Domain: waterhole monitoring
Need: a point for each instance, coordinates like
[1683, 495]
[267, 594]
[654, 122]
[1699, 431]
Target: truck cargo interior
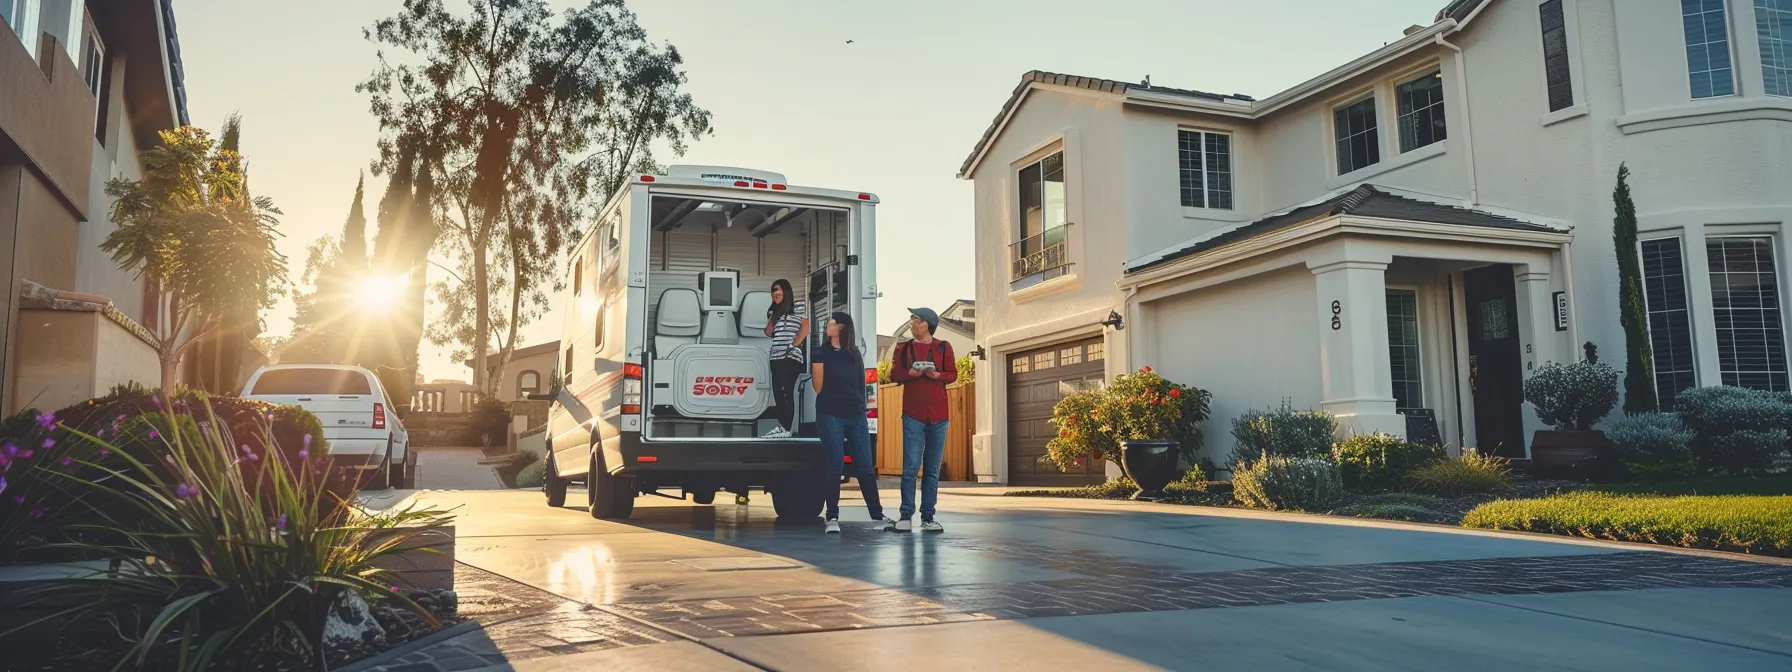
[711, 268]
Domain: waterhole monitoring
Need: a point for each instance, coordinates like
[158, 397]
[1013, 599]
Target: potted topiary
[1572, 399]
[1152, 423]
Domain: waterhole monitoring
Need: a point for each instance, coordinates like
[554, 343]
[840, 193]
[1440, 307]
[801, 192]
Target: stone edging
[410, 647]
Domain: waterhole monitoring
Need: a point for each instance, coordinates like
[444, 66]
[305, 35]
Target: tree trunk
[170, 357]
[481, 320]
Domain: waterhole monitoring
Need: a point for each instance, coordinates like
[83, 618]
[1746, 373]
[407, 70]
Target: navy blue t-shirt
[842, 382]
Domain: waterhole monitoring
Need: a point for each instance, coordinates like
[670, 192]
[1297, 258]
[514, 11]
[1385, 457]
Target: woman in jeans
[838, 375]
[787, 323]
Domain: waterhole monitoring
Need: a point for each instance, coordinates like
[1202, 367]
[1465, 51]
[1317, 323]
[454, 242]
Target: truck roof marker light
[779, 187]
[646, 178]
[646, 458]
[759, 185]
[864, 197]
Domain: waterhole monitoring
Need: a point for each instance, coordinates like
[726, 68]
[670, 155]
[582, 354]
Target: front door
[1495, 369]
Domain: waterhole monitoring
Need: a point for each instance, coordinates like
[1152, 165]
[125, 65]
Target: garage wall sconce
[1114, 321]
[978, 353]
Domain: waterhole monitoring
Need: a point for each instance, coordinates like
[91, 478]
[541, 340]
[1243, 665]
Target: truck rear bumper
[638, 456]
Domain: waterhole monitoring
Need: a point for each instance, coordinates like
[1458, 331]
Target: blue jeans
[923, 444]
[838, 433]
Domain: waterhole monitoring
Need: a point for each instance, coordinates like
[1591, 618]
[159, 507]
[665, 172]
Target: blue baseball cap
[927, 315]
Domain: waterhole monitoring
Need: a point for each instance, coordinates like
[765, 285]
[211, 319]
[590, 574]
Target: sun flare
[379, 292]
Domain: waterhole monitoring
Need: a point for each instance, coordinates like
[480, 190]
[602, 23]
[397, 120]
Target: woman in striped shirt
[787, 323]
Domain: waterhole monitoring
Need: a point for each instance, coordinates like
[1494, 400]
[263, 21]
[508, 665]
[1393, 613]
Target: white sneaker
[777, 433]
[903, 525]
[932, 526]
[887, 524]
[833, 527]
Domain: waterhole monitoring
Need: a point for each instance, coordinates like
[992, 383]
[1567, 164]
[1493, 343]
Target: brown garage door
[1037, 379]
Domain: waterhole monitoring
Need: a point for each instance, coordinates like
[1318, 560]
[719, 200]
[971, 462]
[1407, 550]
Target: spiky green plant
[225, 557]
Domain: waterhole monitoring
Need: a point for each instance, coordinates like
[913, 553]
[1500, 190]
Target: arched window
[528, 382]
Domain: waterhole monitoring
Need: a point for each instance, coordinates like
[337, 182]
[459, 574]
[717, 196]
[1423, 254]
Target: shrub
[1285, 433]
[1572, 397]
[533, 475]
[1288, 484]
[1473, 474]
[1735, 430]
[1652, 439]
[1139, 406]
[223, 555]
[1745, 524]
[1380, 461]
[491, 420]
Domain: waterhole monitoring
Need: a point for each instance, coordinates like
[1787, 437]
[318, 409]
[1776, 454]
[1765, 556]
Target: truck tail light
[379, 415]
[631, 388]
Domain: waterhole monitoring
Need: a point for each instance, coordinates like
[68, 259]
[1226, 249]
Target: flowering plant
[1140, 406]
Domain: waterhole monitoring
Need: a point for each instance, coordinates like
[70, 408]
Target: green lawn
[1745, 523]
[1766, 485]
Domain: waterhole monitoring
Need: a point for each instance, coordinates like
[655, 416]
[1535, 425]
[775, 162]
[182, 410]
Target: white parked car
[359, 423]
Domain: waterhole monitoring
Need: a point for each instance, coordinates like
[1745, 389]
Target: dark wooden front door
[1037, 379]
[1496, 370]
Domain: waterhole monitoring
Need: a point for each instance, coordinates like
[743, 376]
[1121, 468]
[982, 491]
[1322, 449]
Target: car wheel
[609, 496]
[552, 483]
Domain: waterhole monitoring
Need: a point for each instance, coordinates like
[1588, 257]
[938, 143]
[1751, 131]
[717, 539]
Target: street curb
[410, 647]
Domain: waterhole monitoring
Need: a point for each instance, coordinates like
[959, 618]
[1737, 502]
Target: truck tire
[799, 498]
[610, 496]
[551, 482]
[703, 497]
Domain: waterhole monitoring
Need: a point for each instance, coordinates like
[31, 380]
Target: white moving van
[664, 379]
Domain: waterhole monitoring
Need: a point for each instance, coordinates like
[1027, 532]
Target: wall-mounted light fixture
[978, 353]
[1114, 321]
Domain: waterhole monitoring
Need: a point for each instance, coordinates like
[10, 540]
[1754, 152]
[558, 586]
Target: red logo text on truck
[721, 386]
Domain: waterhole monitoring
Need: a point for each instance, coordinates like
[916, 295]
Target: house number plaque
[1337, 319]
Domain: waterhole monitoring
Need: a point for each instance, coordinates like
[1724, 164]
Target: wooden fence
[961, 404]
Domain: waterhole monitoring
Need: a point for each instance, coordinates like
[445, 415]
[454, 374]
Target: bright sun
[379, 292]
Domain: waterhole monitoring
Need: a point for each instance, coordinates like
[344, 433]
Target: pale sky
[895, 113]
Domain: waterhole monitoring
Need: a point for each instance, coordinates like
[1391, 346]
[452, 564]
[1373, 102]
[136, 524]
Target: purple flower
[157, 401]
[39, 512]
[250, 455]
[2, 482]
[46, 421]
[396, 589]
[120, 418]
[49, 443]
[153, 434]
[281, 523]
[104, 452]
[184, 491]
[18, 499]
[27, 453]
[68, 461]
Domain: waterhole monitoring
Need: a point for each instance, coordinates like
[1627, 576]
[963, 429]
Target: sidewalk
[454, 468]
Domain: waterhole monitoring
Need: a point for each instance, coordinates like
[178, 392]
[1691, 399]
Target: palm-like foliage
[226, 558]
[191, 226]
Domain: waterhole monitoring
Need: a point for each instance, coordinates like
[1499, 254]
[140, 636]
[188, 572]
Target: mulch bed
[1450, 510]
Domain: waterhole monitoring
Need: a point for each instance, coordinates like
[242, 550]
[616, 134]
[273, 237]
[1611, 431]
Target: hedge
[1741, 523]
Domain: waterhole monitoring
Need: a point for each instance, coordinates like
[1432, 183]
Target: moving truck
[664, 379]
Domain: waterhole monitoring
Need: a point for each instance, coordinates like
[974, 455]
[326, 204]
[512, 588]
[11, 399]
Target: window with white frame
[98, 80]
[1420, 104]
[1745, 305]
[1359, 145]
[1773, 23]
[1556, 75]
[1205, 160]
[1670, 324]
[1707, 31]
[1403, 348]
[22, 16]
[1039, 251]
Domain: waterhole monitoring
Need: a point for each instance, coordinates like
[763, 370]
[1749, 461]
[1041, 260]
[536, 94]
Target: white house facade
[1399, 240]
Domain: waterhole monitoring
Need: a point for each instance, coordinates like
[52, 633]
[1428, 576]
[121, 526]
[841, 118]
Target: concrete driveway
[1018, 583]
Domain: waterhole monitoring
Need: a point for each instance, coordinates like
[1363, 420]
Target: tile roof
[1364, 201]
[1090, 83]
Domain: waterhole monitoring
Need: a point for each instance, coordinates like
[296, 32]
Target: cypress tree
[1639, 360]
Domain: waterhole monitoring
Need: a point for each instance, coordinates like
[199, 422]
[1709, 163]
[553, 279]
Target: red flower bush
[1136, 407]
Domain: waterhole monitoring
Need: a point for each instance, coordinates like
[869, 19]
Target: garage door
[1037, 379]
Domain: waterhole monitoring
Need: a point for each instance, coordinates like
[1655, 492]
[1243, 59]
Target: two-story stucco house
[1401, 239]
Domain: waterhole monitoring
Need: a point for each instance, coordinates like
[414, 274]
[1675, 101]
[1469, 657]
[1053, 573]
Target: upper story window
[527, 383]
[1206, 165]
[578, 275]
[1420, 103]
[1773, 22]
[1556, 74]
[98, 79]
[1039, 253]
[1359, 145]
[1707, 48]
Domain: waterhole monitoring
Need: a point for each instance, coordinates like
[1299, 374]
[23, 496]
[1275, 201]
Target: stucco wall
[1222, 339]
[543, 364]
[122, 357]
[96, 273]
[48, 113]
[1155, 218]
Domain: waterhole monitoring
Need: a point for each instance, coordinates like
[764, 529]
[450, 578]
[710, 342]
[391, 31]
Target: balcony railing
[1040, 257]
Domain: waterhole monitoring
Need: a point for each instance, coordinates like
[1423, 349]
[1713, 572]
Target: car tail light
[631, 388]
[379, 415]
[778, 187]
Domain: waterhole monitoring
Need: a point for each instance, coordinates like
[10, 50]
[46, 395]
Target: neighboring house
[445, 396]
[530, 371]
[958, 326]
[82, 91]
[1403, 237]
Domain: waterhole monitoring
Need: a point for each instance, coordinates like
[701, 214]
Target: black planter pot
[1150, 464]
